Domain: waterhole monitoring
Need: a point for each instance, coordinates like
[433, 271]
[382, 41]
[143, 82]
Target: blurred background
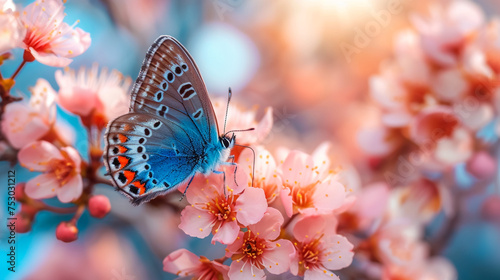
[309, 59]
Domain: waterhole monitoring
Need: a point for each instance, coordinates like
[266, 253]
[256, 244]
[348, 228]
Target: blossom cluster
[278, 210]
[34, 136]
[438, 91]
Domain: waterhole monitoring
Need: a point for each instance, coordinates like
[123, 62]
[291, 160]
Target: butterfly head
[228, 141]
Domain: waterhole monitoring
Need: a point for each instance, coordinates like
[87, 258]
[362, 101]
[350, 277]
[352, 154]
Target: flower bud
[23, 223]
[481, 165]
[20, 195]
[490, 209]
[66, 232]
[99, 206]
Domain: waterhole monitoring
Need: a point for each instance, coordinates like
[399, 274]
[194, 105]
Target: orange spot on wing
[130, 175]
[140, 186]
[123, 162]
[122, 149]
[122, 138]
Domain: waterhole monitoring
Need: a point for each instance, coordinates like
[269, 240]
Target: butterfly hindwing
[147, 155]
[170, 86]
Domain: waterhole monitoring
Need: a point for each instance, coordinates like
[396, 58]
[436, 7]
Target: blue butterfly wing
[161, 142]
[170, 86]
[147, 156]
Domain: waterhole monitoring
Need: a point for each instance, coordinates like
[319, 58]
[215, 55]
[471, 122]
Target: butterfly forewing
[170, 86]
[171, 131]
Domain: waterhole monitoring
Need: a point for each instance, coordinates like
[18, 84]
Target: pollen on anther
[278, 245]
[201, 229]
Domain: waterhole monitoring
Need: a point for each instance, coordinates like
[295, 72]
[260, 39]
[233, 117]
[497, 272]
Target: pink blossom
[266, 173]
[88, 92]
[212, 210]
[11, 32]
[482, 165]
[396, 242]
[439, 131]
[436, 268]
[26, 122]
[310, 186]
[184, 263]
[420, 201]
[60, 167]
[319, 248]
[257, 249]
[378, 140]
[369, 207]
[239, 118]
[447, 29]
[48, 39]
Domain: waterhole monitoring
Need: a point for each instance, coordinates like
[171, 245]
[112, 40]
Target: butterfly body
[170, 132]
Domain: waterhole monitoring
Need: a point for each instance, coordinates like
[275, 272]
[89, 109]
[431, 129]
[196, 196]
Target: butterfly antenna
[229, 95]
[253, 168]
[239, 130]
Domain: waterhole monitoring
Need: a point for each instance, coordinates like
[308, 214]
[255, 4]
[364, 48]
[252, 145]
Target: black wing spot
[147, 132]
[164, 85]
[142, 140]
[184, 66]
[133, 189]
[167, 185]
[170, 77]
[116, 150]
[155, 181]
[146, 167]
[150, 174]
[161, 113]
[157, 124]
[122, 178]
[177, 70]
[115, 138]
[197, 114]
[144, 156]
[116, 163]
[159, 96]
[140, 149]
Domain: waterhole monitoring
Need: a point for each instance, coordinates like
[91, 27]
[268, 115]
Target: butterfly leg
[231, 157]
[223, 174]
[184, 193]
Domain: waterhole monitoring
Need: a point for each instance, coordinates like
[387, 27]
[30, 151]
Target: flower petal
[277, 260]
[251, 206]
[227, 233]
[71, 190]
[50, 59]
[317, 274]
[180, 261]
[21, 125]
[328, 196]
[270, 224]
[42, 186]
[339, 252]
[244, 270]
[35, 156]
[195, 222]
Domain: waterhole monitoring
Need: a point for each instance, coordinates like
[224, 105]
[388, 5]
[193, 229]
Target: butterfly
[170, 133]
